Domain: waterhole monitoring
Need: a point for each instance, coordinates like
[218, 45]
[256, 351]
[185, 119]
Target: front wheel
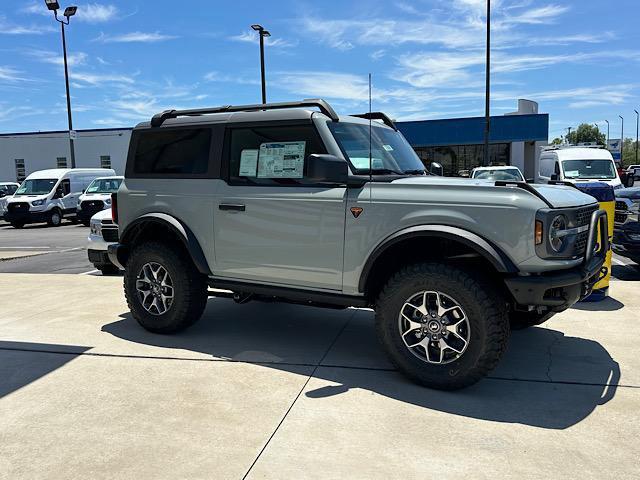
[164, 290]
[55, 218]
[442, 326]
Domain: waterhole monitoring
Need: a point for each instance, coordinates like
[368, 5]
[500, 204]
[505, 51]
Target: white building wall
[41, 150]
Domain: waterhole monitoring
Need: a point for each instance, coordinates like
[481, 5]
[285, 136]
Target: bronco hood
[560, 196]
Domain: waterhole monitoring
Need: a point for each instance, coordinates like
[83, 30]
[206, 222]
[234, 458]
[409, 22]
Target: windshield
[104, 185]
[503, 174]
[40, 186]
[390, 151]
[589, 169]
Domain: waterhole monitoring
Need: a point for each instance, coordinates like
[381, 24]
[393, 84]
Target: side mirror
[59, 193]
[325, 168]
[531, 180]
[554, 176]
[436, 169]
[631, 180]
[2, 194]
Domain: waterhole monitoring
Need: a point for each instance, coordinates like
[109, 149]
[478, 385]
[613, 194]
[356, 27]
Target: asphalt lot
[282, 391]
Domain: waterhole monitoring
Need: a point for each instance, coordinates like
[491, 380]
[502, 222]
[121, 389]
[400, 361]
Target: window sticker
[362, 163]
[572, 174]
[281, 160]
[248, 163]
[388, 148]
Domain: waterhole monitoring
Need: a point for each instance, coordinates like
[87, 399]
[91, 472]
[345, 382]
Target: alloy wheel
[434, 327]
[155, 288]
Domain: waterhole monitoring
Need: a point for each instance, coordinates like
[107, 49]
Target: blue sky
[130, 59]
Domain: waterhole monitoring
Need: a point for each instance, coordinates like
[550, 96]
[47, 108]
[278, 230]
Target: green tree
[557, 141]
[586, 133]
[629, 153]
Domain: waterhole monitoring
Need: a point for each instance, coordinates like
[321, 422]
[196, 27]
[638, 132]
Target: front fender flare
[182, 231]
[481, 246]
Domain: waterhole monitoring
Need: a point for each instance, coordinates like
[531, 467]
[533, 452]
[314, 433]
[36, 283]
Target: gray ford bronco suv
[278, 202]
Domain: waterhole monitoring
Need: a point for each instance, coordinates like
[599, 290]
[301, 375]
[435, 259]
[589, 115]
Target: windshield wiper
[385, 171]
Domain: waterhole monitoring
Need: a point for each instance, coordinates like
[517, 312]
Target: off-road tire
[483, 304]
[190, 288]
[522, 320]
[53, 215]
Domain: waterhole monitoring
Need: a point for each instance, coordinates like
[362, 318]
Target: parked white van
[97, 197]
[578, 164]
[50, 195]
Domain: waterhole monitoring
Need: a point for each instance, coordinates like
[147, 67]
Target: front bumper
[626, 240]
[118, 254]
[98, 257]
[26, 217]
[561, 289]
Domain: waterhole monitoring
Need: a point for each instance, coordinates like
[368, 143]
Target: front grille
[110, 234]
[583, 217]
[620, 217]
[18, 207]
[92, 205]
[620, 205]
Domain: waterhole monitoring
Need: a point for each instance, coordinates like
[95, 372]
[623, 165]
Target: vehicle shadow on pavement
[546, 379]
[626, 273]
[607, 304]
[22, 363]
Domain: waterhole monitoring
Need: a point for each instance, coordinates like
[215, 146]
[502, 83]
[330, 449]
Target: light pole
[487, 112]
[637, 131]
[262, 33]
[68, 13]
[607, 133]
[621, 140]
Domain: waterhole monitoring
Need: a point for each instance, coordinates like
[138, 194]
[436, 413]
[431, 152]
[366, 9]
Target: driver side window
[65, 187]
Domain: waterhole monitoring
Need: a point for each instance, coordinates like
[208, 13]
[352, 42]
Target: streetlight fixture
[637, 131]
[263, 33]
[607, 133]
[69, 12]
[621, 139]
[487, 112]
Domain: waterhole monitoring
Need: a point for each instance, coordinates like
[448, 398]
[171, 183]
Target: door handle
[236, 207]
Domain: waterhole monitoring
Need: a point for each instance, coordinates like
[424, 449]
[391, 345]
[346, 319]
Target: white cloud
[10, 74]
[96, 12]
[98, 79]
[540, 15]
[216, 76]
[87, 12]
[377, 54]
[252, 37]
[55, 58]
[12, 28]
[138, 37]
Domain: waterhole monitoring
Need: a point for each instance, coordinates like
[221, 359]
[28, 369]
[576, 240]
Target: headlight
[37, 203]
[558, 232]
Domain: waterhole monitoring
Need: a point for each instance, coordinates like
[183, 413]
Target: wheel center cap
[434, 326]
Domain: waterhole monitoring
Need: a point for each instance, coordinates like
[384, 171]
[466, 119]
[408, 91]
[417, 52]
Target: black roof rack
[377, 116]
[324, 107]
[524, 186]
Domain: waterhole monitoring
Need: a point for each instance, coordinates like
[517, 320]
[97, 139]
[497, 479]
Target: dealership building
[457, 144]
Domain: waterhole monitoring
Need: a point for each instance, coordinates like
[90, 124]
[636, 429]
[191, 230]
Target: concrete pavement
[282, 391]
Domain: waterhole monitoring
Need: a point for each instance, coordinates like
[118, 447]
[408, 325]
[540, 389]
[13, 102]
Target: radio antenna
[370, 156]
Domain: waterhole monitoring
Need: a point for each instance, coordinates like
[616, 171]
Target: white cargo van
[6, 190]
[50, 195]
[578, 164]
[97, 197]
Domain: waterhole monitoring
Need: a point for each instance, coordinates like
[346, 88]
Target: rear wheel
[441, 325]
[164, 290]
[55, 218]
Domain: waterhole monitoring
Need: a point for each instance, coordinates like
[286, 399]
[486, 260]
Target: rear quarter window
[179, 152]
